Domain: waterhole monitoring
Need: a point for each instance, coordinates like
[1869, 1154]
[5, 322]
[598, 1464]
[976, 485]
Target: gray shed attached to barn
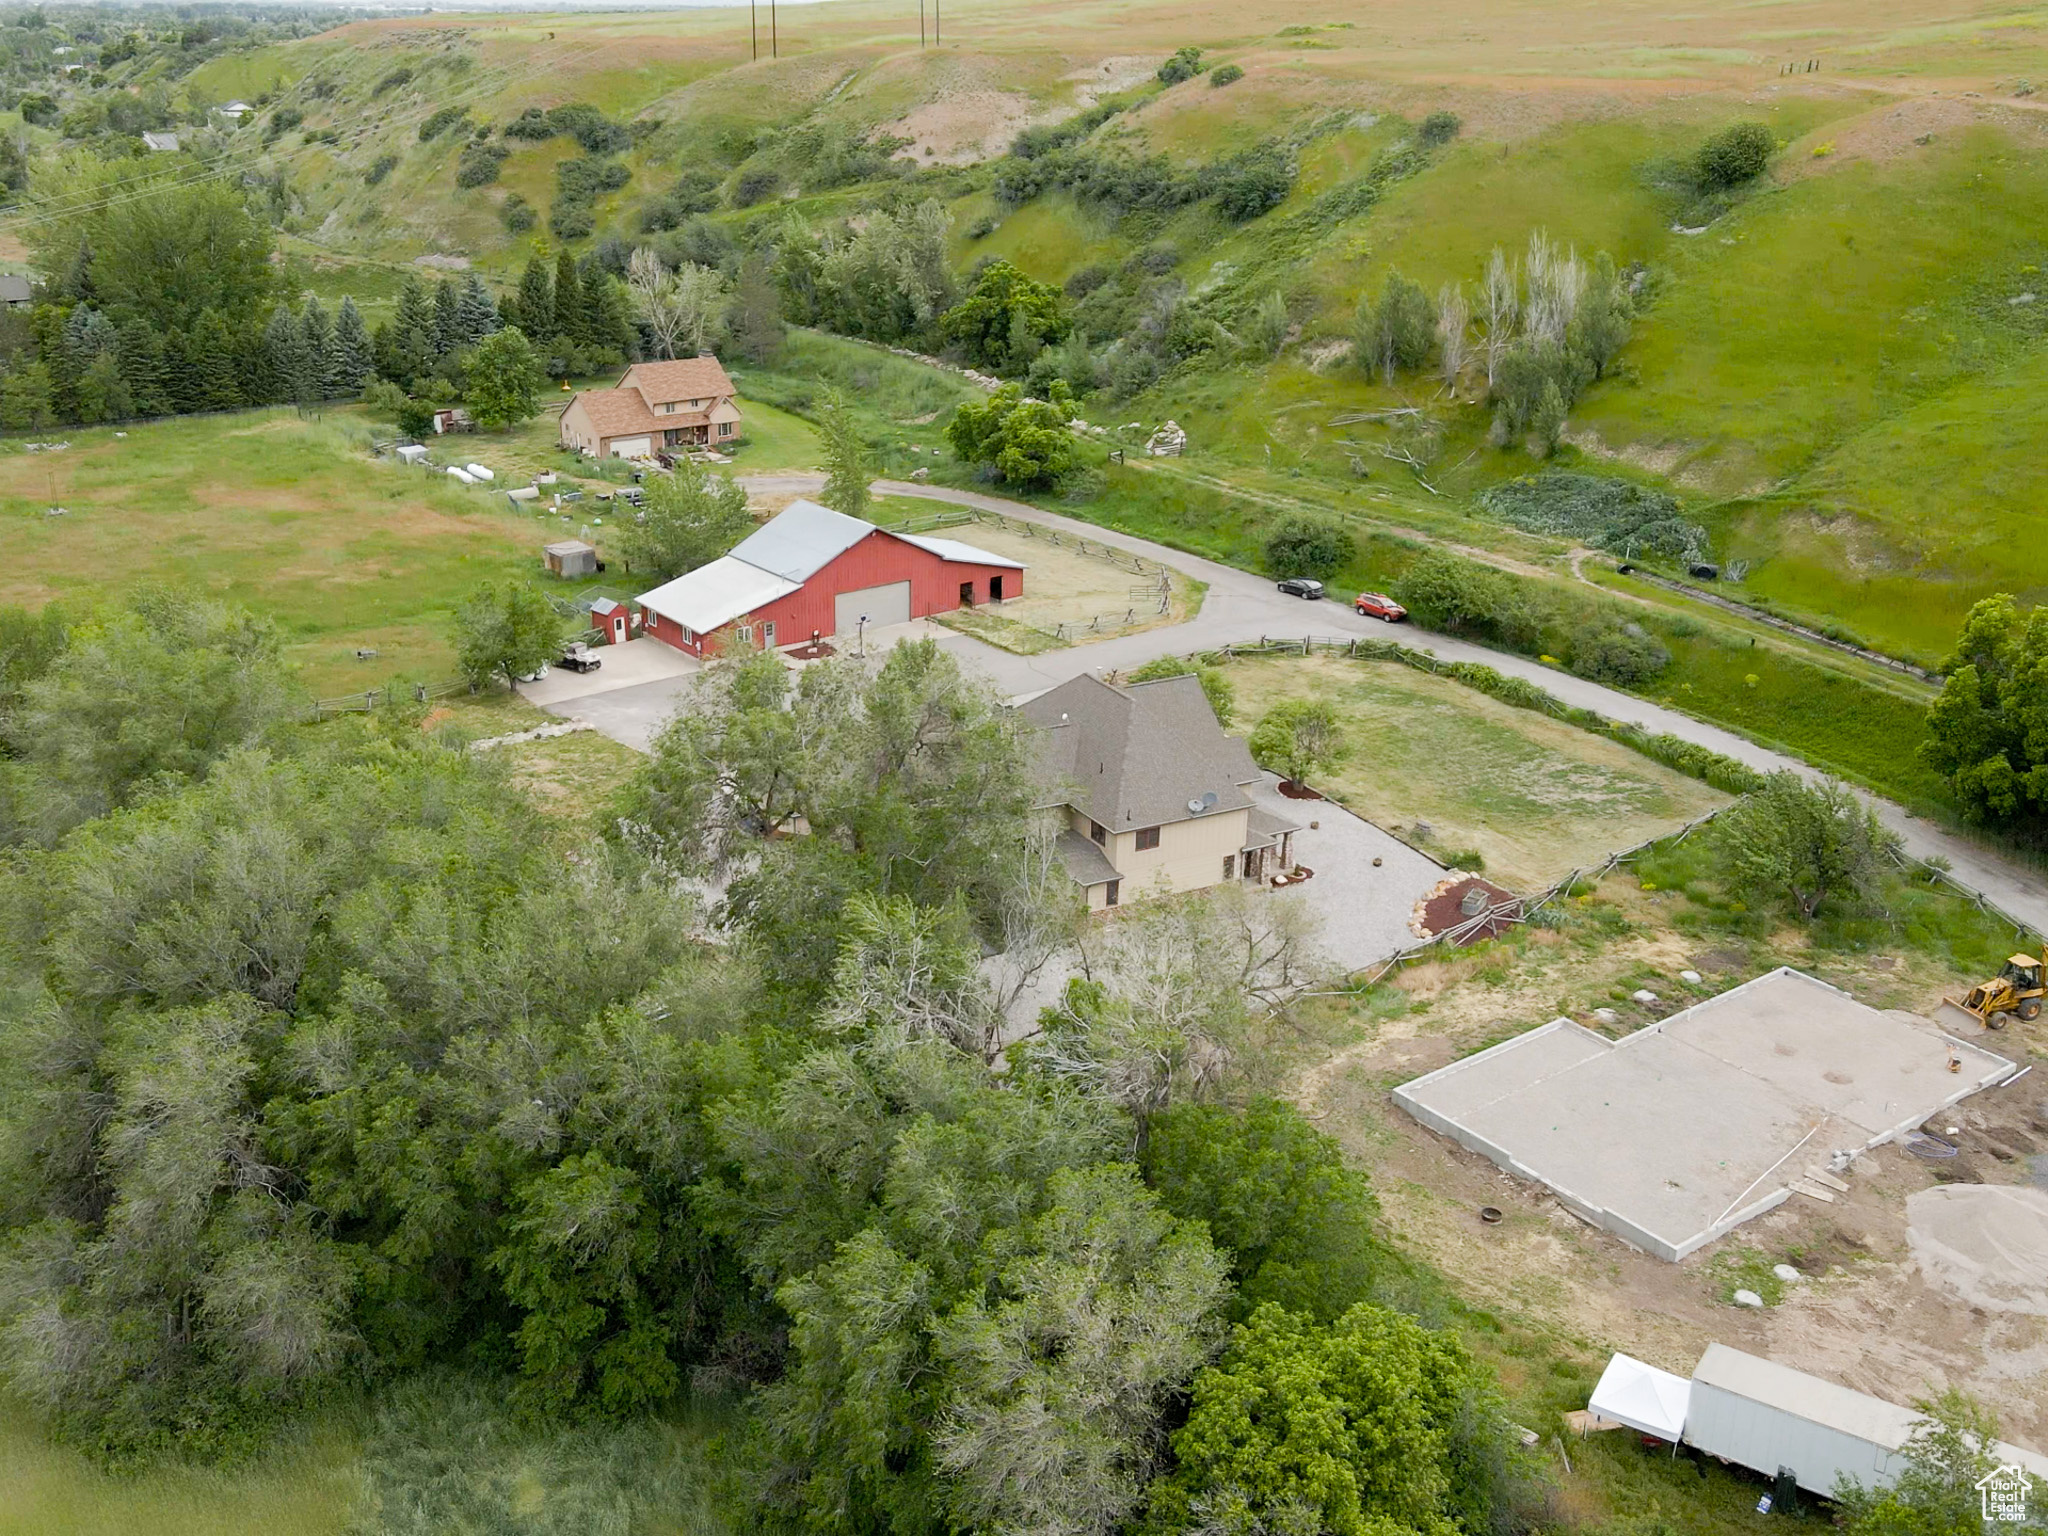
[571, 557]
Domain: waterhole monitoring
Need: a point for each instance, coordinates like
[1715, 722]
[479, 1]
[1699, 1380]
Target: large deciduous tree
[1349, 1429]
[690, 518]
[505, 633]
[504, 380]
[1807, 846]
[1299, 737]
[1026, 442]
[1006, 320]
[1988, 732]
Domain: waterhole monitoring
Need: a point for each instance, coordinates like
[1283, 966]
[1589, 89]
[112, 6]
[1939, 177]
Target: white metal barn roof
[716, 594]
[801, 540]
[953, 549]
[1642, 1397]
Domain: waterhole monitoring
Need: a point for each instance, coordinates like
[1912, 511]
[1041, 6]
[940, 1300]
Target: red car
[1377, 605]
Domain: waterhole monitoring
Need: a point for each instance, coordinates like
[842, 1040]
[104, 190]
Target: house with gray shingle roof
[1150, 790]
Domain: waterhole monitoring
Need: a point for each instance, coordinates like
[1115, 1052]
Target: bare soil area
[1866, 1314]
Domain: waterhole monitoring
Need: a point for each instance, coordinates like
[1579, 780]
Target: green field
[1535, 797]
[296, 521]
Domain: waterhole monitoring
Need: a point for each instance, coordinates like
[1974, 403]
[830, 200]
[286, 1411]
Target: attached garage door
[632, 447]
[882, 605]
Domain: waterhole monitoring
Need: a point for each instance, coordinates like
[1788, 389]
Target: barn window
[1148, 837]
[1095, 831]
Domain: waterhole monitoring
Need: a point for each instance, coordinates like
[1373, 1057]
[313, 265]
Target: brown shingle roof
[619, 412]
[685, 378]
[1135, 756]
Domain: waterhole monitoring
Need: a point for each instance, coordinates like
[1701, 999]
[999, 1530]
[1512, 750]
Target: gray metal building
[1762, 1415]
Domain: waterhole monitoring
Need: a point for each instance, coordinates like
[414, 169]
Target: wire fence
[1520, 908]
[368, 700]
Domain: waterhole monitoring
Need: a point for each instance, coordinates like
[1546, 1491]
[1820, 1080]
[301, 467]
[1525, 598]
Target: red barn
[810, 569]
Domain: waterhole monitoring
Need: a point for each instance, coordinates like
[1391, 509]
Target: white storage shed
[1764, 1416]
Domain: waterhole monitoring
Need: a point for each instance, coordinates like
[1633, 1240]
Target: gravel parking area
[1364, 910]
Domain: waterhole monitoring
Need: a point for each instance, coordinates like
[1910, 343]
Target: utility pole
[935, 24]
[754, 28]
[774, 40]
[920, 23]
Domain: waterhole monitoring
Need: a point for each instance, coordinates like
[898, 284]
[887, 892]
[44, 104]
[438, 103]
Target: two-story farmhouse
[810, 570]
[687, 403]
[1150, 790]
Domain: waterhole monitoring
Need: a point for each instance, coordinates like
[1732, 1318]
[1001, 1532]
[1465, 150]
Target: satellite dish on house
[1206, 803]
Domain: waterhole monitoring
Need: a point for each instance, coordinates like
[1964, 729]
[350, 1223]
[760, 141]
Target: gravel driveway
[1364, 911]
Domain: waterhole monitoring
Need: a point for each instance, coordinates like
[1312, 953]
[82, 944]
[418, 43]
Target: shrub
[441, 121]
[1603, 510]
[1026, 442]
[1229, 74]
[517, 214]
[1302, 544]
[756, 184]
[1086, 280]
[1621, 654]
[282, 121]
[382, 167]
[1156, 260]
[1185, 64]
[392, 81]
[533, 123]
[478, 164]
[1254, 183]
[1439, 128]
[1737, 154]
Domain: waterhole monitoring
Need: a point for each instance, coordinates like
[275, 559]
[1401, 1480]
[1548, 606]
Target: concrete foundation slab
[1678, 1133]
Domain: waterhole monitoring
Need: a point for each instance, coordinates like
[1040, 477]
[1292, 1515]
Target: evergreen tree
[476, 314]
[102, 393]
[87, 334]
[181, 380]
[448, 339]
[354, 357]
[141, 352]
[281, 364]
[413, 349]
[570, 320]
[246, 341]
[611, 311]
[316, 379]
[536, 300]
[210, 353]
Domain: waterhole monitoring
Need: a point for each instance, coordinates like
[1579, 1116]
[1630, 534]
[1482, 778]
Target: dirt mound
[1986, 1242]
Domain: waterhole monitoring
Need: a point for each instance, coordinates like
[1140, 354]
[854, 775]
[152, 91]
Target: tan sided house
[1150, 790]
[657, 407]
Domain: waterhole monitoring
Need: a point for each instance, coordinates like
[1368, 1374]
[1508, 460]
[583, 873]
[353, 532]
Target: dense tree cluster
[322, 1067]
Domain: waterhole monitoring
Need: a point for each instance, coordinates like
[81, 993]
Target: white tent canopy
[1642, 1397]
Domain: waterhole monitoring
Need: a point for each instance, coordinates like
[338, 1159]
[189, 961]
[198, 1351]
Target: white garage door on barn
[881, 605]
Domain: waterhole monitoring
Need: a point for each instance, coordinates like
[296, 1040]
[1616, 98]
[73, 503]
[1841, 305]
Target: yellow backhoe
[2016, 989]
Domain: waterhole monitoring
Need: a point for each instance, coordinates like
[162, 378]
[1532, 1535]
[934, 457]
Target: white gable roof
[953, 549]
[716, 594]
[1642, 1397]
[801, 540]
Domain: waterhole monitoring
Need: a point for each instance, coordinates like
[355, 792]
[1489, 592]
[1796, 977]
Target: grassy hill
[1835, 376]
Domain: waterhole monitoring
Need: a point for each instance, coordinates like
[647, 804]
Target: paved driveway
[1242, 607]
[623, 666]
[1363, 910]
